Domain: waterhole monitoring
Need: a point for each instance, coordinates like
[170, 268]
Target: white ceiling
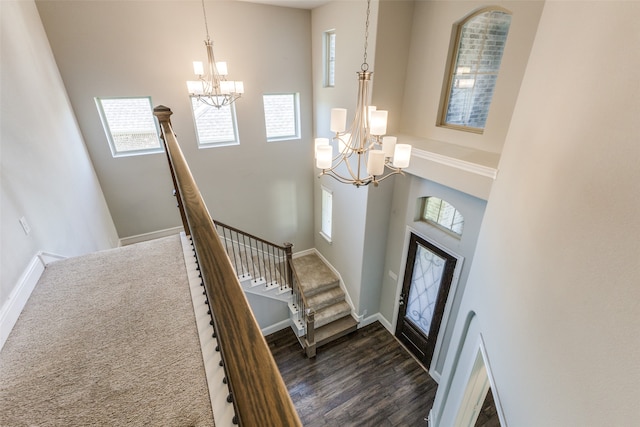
[300, 4]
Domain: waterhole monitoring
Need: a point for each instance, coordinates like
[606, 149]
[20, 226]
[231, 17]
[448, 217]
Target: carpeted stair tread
[336, 329]
[330, 313]
[325, 298]
[315, 276]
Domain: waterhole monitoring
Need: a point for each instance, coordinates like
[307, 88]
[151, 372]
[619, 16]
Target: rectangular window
[215, 127]
[282, 116]
[329, 58]
[327, 213]
[129, 125]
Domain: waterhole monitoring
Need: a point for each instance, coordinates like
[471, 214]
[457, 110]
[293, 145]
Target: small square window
[282, 116]
[215, 127]
[129, 125]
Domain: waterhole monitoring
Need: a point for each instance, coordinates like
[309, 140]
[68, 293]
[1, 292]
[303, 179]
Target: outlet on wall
[25, 225]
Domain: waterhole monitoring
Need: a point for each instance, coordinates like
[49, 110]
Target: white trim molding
[150, 236]
[464, 165]
[13, 306]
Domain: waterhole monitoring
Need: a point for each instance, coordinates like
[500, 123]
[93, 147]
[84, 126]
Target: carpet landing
[107, 339]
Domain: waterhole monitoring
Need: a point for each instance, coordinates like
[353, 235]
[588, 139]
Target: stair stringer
[264, 289]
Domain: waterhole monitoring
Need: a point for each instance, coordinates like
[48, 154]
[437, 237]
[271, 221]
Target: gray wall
[411, 44]
[432, 31]
[404, 220]
[350, 204]
[142, 48]
[418, 34]
[46, 174]
[554, 283]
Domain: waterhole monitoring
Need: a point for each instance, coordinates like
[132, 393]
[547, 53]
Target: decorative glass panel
[425, 284]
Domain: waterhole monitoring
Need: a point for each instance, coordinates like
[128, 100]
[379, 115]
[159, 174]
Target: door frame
[470, 395]
[446, 315]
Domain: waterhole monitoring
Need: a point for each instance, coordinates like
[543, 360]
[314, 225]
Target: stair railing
[270, 265]
[305, 315]
[265, 263]
[256, 388]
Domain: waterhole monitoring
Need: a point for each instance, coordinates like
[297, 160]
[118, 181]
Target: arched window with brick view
[478, 47]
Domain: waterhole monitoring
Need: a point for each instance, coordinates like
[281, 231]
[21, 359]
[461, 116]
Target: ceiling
[300, 4]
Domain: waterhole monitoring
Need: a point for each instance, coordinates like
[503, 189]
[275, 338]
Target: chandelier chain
[206, 25]
[365, 65]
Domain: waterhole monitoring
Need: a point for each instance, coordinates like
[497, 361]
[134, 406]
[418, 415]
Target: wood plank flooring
[364, 379]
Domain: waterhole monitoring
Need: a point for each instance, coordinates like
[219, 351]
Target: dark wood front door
[427, 280]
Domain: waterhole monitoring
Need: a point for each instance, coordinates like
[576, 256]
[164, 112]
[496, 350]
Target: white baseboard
[48, 258]
[377, 317]
[283, 324]
[150, 236]
[12, 308]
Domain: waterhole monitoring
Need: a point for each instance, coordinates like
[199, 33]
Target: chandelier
[365, 155]
[213, 88]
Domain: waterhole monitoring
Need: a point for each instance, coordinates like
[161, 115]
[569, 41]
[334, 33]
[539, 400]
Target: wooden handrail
[259, 394]
[283, 246]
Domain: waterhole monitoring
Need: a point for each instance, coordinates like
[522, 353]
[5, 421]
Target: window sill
[325, 237]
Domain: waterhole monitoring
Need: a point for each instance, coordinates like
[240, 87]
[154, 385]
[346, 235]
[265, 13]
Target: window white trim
[326, 213]
[146, 126]
[472, 73]
[442, 214]
[329, 58]
[273, 118]
[230, 129]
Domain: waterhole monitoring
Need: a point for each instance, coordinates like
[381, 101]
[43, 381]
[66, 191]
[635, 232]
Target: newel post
[311, 333]
[289, 268]
[163, 115]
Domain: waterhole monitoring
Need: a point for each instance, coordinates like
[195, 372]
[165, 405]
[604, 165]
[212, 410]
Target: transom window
[329, 58]
[480, 41]
[215, 127]
[439, 212]
[129, 125]
[281, 116]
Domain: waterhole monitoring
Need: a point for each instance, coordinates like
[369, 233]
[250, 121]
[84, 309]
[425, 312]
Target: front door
[427, 279]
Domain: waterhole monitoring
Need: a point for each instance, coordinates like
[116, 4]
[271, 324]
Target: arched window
[441, 213]
[472, 74]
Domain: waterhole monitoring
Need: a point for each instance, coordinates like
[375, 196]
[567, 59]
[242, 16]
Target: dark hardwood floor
[364, 379]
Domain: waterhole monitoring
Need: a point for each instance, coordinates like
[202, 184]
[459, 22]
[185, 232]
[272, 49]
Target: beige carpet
[107, 339]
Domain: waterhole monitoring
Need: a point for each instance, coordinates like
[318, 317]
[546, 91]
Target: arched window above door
[441, 213]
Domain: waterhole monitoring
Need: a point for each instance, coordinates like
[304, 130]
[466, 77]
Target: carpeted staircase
[260, 269]
[324, 295]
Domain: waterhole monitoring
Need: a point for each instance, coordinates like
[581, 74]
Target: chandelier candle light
[213, 88]
[363, 149]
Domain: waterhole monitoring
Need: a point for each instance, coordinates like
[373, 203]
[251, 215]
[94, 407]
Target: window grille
[441, 213]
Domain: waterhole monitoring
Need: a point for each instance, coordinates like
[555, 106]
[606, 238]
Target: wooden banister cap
[162, 113]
